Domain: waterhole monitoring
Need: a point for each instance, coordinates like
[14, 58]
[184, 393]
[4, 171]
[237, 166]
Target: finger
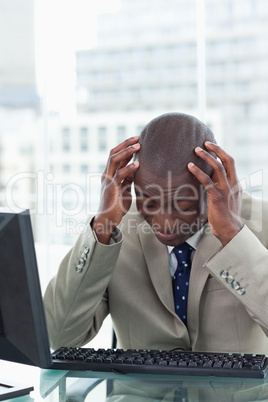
[219, 173]
[227, 160]
[125, 162]
[121, 158]
[207, 157]
[202, 177]
[127, 182]
[123, 145]
[126, 173]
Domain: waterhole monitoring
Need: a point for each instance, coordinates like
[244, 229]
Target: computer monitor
[23, 331]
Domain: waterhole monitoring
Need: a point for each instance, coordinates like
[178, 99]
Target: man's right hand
[116, 189]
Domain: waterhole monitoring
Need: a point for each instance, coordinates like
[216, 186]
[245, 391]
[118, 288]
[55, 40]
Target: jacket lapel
[207, 247]
[156, 256]
[157, 260]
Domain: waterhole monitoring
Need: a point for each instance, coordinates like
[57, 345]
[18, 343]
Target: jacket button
[86, 249]
[224, 274]
[235, 285]
[79, 269]
[241, 291]
[81, 262]
[229, 279]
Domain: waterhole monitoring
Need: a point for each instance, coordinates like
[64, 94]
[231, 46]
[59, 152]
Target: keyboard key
[109, 360]
[149, 361]
[129, 360]
[228, 365]
[238, 365]
[139, 360]
[192, 364]
[208, 364]
[163, 363]
[120, 360]
[90, 359]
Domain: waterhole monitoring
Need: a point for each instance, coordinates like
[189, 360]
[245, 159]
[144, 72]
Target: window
[84, 139]
[139, 129]
[66, 139]
[101, 168]
[121, 134]
[83, 97]
[102, 139]
[84, 168]
[66, 168]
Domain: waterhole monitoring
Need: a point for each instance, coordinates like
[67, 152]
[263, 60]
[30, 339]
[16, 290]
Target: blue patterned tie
[181, 279]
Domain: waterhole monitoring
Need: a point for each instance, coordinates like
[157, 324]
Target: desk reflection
[82, 386]
[191, 390]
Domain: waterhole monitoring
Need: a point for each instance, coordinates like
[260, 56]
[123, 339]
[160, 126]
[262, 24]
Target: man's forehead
[181, 192]
[181, 186]
[146, 177]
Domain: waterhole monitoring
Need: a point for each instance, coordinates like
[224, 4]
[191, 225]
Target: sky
[62, 27]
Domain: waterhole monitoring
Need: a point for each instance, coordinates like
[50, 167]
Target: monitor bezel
[21, 302]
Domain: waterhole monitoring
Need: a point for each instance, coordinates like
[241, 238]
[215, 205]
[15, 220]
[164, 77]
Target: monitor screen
[23, 331]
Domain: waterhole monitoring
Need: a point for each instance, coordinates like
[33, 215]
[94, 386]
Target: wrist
[229, 234]
[103, 229]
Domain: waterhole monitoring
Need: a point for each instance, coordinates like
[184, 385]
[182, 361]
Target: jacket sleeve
[76, 301]
[242, 267]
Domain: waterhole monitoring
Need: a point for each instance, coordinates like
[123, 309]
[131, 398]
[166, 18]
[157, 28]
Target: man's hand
[116, 189]
[223, 191]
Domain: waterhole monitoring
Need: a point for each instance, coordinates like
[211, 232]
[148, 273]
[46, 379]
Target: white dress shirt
[193, 241]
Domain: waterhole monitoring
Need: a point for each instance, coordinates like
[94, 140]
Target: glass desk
[54, 385]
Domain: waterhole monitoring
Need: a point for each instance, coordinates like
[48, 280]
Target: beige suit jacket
[228, 290]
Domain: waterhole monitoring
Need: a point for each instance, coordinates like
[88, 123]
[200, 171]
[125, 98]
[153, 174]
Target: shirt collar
[193, 241]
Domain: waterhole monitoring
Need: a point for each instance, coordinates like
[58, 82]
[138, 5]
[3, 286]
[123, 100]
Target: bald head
[168, 143]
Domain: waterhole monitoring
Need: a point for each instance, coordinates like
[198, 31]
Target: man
[187, 192]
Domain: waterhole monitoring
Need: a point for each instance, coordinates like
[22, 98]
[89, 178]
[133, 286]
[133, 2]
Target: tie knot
[183, 254]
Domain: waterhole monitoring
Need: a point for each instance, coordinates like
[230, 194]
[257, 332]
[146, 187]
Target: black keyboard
[161, 362]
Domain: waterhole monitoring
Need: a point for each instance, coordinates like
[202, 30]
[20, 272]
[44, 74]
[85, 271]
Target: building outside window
[121, 134]
[102, 139]
[66, 139]
[83, 139]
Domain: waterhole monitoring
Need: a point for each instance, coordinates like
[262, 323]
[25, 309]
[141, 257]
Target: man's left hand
[223, 191]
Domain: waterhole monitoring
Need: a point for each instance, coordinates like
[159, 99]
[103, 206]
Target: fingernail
[198, 149]
[136, 145]
[190, 164]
